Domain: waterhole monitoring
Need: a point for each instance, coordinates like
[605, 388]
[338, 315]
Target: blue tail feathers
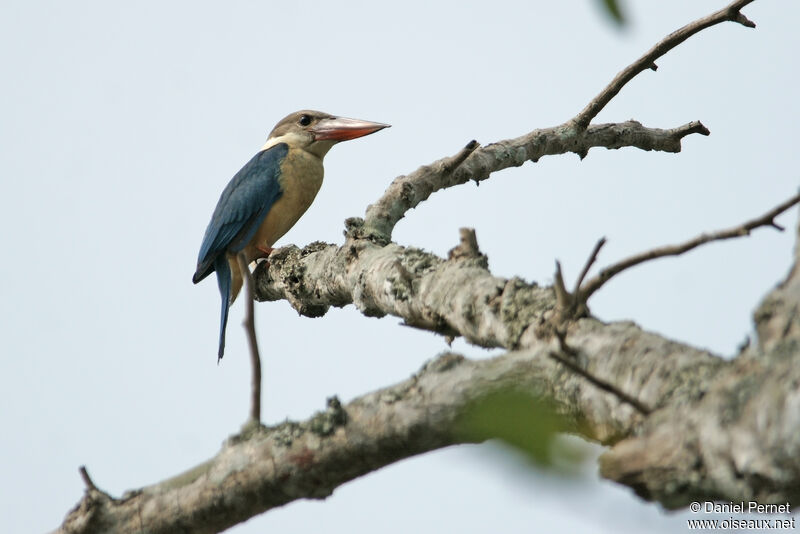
[224, 281]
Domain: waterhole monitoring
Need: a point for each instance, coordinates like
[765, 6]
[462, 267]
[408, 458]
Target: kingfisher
[268, 196]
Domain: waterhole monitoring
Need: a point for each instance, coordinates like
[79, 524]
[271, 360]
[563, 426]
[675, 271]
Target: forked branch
[475, 163]
[648, 61]
[768, 219]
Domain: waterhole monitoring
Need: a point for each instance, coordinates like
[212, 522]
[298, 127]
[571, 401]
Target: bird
[268, 196]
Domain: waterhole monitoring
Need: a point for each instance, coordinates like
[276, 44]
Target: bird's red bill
[343, 129]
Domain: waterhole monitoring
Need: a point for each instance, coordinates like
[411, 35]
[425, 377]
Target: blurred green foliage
[526, 424]
[613, 10]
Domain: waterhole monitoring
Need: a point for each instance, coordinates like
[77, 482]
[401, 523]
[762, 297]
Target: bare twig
[768, 219]
[647, 61]
[467, 247]
[249, 325]
[571, 360]
[602, 384]
[569, 306]
[87, 480]
[91, 488]
[563, 297]
[589, 262]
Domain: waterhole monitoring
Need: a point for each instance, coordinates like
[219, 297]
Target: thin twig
[589, 262]
[647, 61]
[768, 219]
[408, 191]
[250, 327]
[602, 384]
[87, 480]
[563, 297]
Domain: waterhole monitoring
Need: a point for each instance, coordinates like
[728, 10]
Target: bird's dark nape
[224, 281]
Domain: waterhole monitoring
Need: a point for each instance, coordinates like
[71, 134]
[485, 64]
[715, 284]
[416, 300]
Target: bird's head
[317, 132]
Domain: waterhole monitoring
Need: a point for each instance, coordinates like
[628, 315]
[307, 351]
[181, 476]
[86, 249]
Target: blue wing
[242, 207]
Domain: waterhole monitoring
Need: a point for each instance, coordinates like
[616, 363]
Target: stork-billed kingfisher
[268, 195]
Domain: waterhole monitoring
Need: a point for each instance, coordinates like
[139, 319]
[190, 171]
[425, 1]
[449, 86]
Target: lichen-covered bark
[268, 467]
[452, 297]
[724, 429]
[740, 439]
[459, 296]
[778, 317]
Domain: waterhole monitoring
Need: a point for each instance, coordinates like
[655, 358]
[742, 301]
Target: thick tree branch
[458, 296]
[777, 318]
[271, 467]
[455, 296]
[739, 440]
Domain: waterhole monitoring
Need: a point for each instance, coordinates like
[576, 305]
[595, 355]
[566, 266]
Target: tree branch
[735, 440]
[730, 13]
[276, 465]
[576, 135]
[602, 384]
[452, 297]
[455, 296]
[689, 424]
[588, 265]
[408, 191]
[768, 219]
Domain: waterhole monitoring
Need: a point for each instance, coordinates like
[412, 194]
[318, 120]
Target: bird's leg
[266, 251]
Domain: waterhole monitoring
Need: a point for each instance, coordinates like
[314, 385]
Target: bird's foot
[265, 251]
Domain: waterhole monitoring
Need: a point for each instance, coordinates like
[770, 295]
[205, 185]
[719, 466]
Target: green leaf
[523, 422]
[611, 8]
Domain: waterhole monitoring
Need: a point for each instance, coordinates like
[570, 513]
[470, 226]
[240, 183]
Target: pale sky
[122, 123]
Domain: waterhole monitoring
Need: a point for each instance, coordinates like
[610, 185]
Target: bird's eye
[305, 120]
